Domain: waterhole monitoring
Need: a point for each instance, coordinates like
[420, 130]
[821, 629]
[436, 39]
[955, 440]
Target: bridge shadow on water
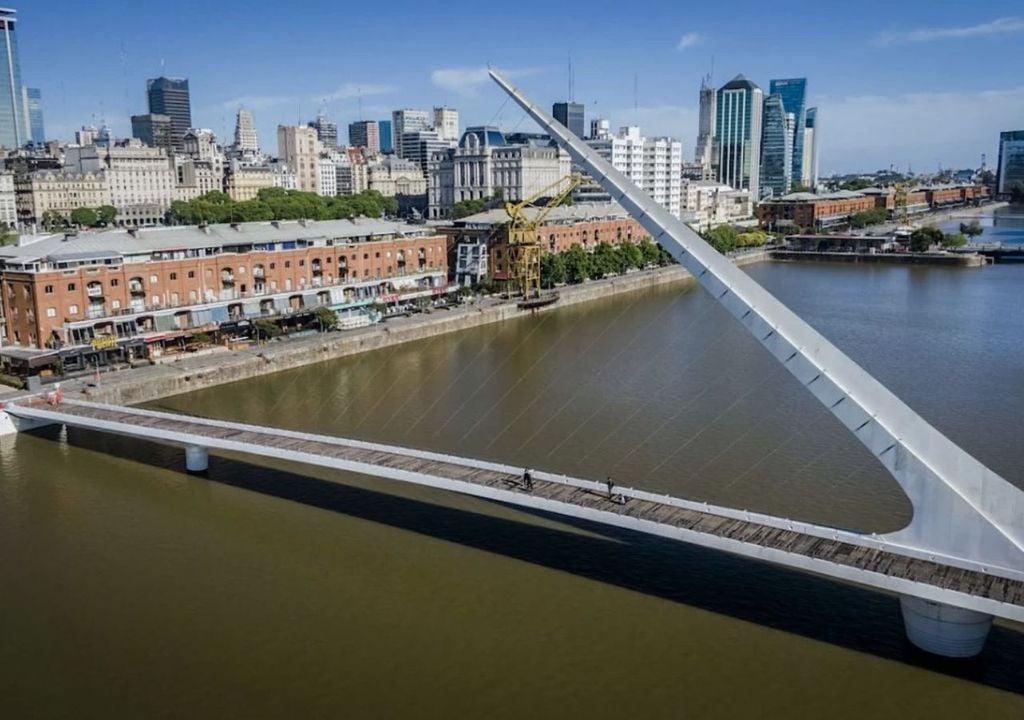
[844, 615]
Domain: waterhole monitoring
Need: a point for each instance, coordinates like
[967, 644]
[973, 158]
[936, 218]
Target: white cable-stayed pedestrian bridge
[958, 563]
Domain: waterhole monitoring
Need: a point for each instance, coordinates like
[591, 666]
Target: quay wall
[151, 383]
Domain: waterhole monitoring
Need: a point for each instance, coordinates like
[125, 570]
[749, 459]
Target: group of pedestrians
[620, 498]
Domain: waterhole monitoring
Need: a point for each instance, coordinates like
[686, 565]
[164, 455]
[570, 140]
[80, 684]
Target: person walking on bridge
[528, 479]
[611, 486]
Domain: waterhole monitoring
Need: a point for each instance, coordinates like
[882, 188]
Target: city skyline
[861, 69]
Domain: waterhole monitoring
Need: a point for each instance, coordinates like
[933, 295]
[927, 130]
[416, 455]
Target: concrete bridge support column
[197, 459]
[944, 629]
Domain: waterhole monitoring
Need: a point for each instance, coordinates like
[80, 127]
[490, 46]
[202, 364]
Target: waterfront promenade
[147, 383]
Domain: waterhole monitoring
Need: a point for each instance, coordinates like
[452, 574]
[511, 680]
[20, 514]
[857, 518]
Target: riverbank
[936, 217]
[147, 383]
[964, 260]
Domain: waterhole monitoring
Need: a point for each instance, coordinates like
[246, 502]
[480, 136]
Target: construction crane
[899, 213]
[524, 247]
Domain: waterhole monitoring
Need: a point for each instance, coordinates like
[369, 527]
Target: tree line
[280, 204]
[575, 265]
[101, 216]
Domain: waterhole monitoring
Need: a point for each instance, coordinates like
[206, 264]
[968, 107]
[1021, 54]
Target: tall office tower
[738, 110]
[704, 155]
[570, 114]
[299, 149]
[420, 146]
[326, 132]
[365, 134]
[1010, 170]
[154, 130]
[794, 97]
[12, 115]
[387, 144]
[86, 136]
[407, 121]
[32, 101]
[600, 129]
[170, 96]
[776, 148]
[104, 137]
[446, 123]
[809, 166]
[246, 140]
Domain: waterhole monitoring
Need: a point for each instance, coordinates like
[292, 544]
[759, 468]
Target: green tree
[326, 317]
[552, 269]
[987, 177]
[266, 329]
[799, 188]
[7, 236]
[875, 216]
[84, 217]
[577, 264]
[924, 238]
[753, 238]
[630, 256]
[651, 252]
[106, 214]
[53, 220]
[465, 208]
[723, 238]
[954, 240]
[971, 229]
[856, 184]
[603, 261]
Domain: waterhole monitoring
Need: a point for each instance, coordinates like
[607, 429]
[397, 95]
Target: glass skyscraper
[32, 100]
[571, 115]
[386, 144]
[170, 96]
[12, 114]
[776, 148]
[738, 135]
[794, 97]
[809, 169]
[1010, 171]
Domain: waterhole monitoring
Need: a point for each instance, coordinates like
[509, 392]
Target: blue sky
[916, 81]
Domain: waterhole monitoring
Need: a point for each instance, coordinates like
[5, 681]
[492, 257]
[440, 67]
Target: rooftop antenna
[571, 83]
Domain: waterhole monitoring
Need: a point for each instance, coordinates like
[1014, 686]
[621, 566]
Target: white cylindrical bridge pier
[197, 459]
[943, 629]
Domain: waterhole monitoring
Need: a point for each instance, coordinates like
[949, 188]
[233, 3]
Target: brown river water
[130, 589]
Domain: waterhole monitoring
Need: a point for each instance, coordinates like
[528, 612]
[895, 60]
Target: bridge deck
[1007, 595]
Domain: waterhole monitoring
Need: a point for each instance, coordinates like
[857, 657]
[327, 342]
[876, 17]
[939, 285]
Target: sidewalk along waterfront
[153, 382]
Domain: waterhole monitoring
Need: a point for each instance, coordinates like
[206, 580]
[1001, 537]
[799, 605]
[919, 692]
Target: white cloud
[869, 132]
[1000, 26]
[353, 90]
[347, 91]
[688, 40]
[467, 81]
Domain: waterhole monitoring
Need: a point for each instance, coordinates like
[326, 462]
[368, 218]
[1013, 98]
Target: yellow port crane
[899, 213]
[524, 247]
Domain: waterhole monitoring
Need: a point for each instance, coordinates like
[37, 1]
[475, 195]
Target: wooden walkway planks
[835, 551]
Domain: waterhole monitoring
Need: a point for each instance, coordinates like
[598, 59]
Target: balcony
[94, 290]
[227, 278]
[135, 287]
